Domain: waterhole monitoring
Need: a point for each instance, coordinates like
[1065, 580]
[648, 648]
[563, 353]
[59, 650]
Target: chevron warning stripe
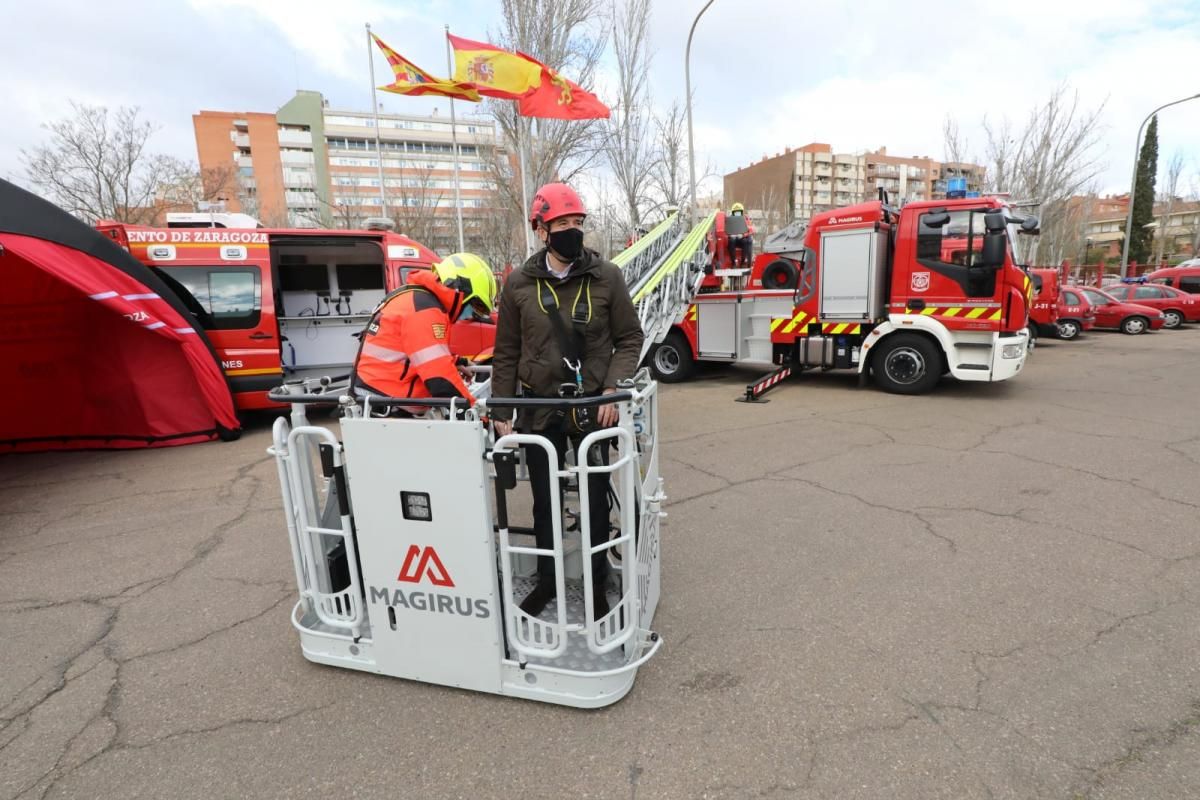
[841, 327]
[951, 312]
[692, 312]
[791, 324]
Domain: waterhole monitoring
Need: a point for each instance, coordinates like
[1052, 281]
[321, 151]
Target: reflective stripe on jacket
[405, 349]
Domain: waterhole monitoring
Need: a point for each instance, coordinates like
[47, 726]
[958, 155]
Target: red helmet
[552, 201]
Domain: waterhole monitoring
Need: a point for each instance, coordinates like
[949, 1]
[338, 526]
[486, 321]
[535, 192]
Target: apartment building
[308, 165]
[803, 181]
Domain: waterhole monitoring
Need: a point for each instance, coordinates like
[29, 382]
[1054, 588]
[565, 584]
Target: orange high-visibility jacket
[405, 349]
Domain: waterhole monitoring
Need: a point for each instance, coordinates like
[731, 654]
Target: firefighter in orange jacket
[405, 349]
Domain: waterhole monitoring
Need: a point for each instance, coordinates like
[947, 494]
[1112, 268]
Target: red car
[1075, 313]
[1125, 317]
[1177, 307]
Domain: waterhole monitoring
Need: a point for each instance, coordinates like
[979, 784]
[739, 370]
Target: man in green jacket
[567, 327]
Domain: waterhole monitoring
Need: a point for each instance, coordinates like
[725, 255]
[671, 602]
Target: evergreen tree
[1141, 237]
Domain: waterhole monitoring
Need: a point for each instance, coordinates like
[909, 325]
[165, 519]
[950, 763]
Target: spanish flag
[559, 98]
[411, 79]
[492, 71]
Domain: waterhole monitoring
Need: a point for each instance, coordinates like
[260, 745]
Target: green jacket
[527, 351]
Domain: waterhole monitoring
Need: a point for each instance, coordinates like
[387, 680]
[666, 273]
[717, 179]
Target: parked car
[1177, 307]
[1075, 313]
[1125, 317]
[1185, 277]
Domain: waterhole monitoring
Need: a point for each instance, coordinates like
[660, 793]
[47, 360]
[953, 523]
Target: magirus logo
[421, 563]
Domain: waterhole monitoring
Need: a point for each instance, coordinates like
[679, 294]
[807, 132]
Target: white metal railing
[293, 448]
[637, 489]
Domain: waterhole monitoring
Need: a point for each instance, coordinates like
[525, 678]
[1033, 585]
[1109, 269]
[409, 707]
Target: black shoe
[536, 601]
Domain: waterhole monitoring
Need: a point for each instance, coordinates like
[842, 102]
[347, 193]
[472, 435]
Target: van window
[222, 298]
[1190, 283]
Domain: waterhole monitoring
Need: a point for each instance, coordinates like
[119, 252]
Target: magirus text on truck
[410, 567]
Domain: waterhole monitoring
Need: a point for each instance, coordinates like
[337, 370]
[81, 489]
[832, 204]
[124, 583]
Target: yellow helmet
[737, 207]
[471, 275]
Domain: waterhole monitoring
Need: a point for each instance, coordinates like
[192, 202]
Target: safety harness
[572, 343]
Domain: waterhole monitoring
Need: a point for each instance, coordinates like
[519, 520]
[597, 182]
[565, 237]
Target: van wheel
[1134, 325]
[1172, 319]
[906, 364]
[1068, 329]
[672, 361]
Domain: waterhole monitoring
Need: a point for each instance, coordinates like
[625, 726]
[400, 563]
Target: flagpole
[524, 183]
[375, 111]
[454, 139]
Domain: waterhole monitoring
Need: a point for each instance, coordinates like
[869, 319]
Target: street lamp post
[687, 79]
[1137, 152]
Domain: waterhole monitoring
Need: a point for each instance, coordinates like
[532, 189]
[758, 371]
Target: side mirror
[993, 222]
[1030, 225]
[937, 220]
[995, 244]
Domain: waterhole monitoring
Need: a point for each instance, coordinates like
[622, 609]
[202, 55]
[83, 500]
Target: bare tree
[562, 35]
[627, 143]
[774, 210]
[95, 165]
[1170, 190]
[954, 144]
[186, 185]
[1049, 160]
[414, 207]
[669, 166]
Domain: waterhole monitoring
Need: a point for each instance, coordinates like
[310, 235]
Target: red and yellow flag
[492, 71]
[559, 98]
[411, 79]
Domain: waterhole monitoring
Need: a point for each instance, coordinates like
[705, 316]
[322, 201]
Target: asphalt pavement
[988, 592]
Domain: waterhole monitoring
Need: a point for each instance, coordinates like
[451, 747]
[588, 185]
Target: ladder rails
[662, 295]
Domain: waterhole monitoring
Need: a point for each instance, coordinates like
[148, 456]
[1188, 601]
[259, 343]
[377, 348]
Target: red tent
[103, 353]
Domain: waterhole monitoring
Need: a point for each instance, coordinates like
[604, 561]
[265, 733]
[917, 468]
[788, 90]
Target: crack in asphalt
[241, 481]
[1142, 742]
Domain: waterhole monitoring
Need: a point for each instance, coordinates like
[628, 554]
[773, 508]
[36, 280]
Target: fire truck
[283, 304]
[1047, 296]
[900, 295]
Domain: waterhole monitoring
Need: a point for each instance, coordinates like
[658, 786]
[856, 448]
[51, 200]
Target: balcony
[241, 139]
[295, 138]
[292, 157]
[245, 162]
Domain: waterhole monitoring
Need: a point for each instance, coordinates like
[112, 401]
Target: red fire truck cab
[902, 296]
[283, 304]
[1047, 296]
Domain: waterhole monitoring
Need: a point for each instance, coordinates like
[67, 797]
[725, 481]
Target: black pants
[746, 243]
[543, 520]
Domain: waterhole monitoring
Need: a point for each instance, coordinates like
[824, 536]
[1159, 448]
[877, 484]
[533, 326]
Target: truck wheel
[1134, 325]
[780, 274]
[1172, 318]
[672, 361]
[906, 364]
[1068, 329]
[1031, 342]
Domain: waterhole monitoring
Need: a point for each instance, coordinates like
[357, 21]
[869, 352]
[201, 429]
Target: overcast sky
[767, 74]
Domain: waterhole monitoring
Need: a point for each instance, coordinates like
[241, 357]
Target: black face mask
[567, 243]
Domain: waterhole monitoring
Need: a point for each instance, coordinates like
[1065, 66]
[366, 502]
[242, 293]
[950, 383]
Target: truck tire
[1031, 342]
[906, 363]
[672, 361]
[1068, 329]
[1135, 325]
[780, 274]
